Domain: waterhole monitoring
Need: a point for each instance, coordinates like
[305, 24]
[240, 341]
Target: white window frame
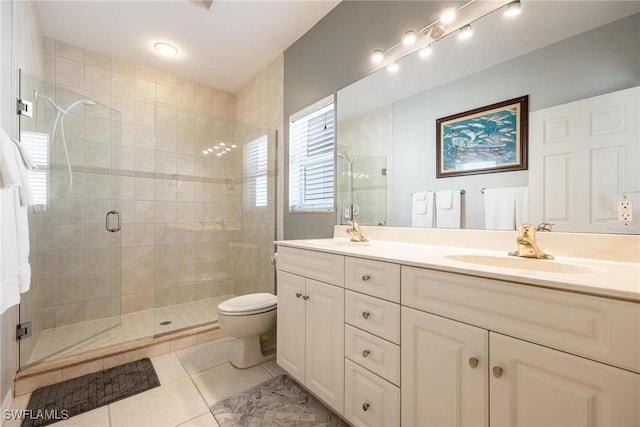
[300, 161]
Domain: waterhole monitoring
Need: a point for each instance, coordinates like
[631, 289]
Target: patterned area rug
[277, 402]
[72, 397]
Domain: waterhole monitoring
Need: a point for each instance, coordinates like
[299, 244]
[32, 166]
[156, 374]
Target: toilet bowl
[250, 320]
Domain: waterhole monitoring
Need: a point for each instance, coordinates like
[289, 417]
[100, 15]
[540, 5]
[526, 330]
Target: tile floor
[191, 381]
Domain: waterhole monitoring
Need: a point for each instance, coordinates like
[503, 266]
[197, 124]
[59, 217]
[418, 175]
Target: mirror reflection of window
[254, 173]
[37, 145]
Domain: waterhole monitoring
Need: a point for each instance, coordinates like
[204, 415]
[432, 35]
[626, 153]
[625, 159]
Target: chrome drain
[165, 323]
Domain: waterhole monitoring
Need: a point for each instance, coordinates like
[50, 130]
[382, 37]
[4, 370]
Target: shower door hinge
[24, 107]
[23, 330]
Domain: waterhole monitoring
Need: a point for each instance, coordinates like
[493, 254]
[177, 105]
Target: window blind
[311, 160]
[254, 173]
[37, 145]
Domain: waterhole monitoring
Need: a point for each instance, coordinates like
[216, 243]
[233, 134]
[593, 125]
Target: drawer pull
[473, 362]
[365, 277]
[365, 406]
[497, 371]
[366, 315]
[365, 353]
[298, 294]
[306, 297]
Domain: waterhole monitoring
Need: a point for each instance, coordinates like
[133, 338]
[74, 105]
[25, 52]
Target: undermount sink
[532, 264]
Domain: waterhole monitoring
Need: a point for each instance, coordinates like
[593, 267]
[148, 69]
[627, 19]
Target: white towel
[521, 196]
[499, 209]
[15, 271]
[448, 209]
[422, 209]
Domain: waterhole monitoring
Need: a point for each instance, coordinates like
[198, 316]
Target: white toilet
[251, 321]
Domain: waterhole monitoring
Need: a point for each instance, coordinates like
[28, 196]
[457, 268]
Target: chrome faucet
[356, 234]
[527, 246]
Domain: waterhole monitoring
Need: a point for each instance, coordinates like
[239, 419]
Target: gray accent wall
[333, 54]
[596, 62]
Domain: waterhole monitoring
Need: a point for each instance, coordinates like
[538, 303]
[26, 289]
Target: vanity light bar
[424, 38]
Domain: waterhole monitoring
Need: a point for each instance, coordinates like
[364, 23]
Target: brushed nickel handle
[497, 371]
[298, 294]
[306, 297]
[365, 277]
[366, 315]
[365, 353]
[365, 406]
[473, 362]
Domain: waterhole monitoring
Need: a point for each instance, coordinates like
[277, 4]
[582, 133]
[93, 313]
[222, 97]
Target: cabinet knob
[365, 277]
[365, 406]
[365, 314]
[497, 371]
[473, 362]
[298, 294]
[365, 353]
[306, 297]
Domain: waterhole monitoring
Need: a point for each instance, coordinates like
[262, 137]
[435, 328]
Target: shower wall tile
[144, 212]
[48, 46]
[144, 189]
[166, 79]
[69, 313]
[122, 85]
[145, 73]
[125, 107]
[71, 52]
[167, 95]
[144, 160]
[185, 99]
[69, 73]
[49, 67]
[97, 79]
[185, 85]
[144, 137]
[123, 67]
[97, 60]
[144, 114]
[145, 91]
[144, 235]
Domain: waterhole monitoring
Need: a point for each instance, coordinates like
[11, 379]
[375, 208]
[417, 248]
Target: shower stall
[139, 231]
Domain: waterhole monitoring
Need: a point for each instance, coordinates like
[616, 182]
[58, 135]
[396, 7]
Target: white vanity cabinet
[310, 323]
[456, 373]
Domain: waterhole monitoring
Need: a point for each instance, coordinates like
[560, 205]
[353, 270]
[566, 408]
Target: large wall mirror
[579, 64]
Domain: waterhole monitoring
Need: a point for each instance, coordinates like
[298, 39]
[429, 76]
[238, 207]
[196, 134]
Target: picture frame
[488, 139]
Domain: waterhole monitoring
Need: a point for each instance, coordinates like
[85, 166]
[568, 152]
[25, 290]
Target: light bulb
[377, 56]
[233, 145]
[205, 152]
[409, 38]
[512, 9]
[210, 150]
[425, 52]
[215, 147]
[393, 68]
[222, 144]
[165, 49]
[465, 32]
[448, 15]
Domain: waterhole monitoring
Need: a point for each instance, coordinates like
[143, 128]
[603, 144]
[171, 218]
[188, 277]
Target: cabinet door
[444, 372]
[325, 342]
[291, 324]
[539, 386]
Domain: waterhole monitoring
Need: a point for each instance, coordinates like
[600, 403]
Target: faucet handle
[544, 226]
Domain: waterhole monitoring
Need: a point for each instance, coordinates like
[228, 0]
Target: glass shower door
[74, 222]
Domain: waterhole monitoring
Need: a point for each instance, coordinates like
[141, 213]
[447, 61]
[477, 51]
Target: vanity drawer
[375, 278]
[369, 400]
[381, 318]
[321, 266]
[377, 355]
[598, 328]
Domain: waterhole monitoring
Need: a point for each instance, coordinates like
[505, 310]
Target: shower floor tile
[84, 336]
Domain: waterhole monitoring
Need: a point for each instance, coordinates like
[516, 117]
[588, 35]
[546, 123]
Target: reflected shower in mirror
[575, 60]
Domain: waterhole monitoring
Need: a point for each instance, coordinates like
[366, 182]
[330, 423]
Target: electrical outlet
[625, 211]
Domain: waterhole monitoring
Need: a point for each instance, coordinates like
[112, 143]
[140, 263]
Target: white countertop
[620, 280]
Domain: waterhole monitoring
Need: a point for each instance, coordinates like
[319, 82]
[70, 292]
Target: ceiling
[223, 47]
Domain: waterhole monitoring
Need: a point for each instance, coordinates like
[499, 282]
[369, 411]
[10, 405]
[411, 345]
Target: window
[311, 160]
[254, 173]
[37, 145]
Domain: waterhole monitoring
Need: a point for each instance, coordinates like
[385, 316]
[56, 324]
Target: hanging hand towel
[422, 209]
[499, 209]
[448, 209]
[521, 196]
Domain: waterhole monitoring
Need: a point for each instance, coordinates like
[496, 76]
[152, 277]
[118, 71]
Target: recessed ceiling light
[222, 144]
[393, 68]
[165, 49]
[425, 52]
[409, 38]
[512, 9]
[377, 56]
[233, 146]
[465, 32]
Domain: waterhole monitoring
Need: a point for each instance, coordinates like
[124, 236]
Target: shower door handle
[107, 222]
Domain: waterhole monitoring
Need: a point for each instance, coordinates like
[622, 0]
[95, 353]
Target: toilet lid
[251, 303]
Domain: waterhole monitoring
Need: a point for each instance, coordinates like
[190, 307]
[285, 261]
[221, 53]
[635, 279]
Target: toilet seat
[246, 305]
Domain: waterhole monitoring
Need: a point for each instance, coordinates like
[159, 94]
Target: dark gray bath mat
[277, 402]
[72, 397]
